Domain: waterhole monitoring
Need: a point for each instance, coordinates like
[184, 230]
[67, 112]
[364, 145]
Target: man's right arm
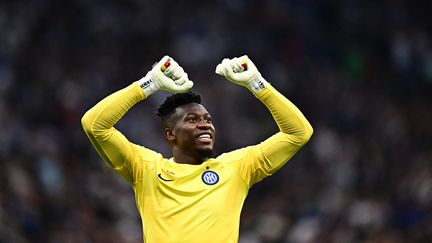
[98, 124]
[99, 121]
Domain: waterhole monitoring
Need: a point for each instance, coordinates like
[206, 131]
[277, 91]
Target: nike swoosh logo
[160, 177]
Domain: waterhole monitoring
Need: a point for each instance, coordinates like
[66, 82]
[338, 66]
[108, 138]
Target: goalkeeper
[193, 197]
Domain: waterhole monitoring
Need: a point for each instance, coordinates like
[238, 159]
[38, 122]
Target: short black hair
[167, 108]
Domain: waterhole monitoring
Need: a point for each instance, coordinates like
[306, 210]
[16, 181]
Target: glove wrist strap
[148, 84]
[257, 84]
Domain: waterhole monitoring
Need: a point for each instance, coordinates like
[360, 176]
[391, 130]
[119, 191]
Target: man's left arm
[295, 130]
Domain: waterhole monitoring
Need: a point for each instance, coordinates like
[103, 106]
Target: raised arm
[264, 159]
[98, 124]
[288, 117]
[99, 121]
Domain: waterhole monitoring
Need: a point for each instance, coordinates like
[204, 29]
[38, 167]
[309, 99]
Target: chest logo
[210, 177]
[160, 177]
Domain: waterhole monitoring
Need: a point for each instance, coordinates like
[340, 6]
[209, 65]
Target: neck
[182, 157]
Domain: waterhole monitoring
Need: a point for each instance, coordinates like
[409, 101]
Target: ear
[169, 135]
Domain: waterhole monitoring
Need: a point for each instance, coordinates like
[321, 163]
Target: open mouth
[205, 138]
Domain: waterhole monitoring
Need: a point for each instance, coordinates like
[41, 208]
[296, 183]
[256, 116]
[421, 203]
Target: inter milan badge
[210, 177]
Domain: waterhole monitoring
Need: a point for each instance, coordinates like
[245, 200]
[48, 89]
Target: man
[193, 197]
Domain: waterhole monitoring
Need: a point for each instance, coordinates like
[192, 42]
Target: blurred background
[361, 72]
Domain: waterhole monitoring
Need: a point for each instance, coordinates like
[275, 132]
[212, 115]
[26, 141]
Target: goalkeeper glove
[165, 75]
[242, 71]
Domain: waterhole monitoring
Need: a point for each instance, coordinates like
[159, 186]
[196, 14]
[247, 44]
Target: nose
[203, 124]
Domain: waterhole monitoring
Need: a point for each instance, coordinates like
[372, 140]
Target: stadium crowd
[361, 72]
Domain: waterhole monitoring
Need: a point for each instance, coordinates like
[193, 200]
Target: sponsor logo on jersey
[210, 177]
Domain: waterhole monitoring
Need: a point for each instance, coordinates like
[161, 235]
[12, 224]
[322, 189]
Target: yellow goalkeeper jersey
[193, 203]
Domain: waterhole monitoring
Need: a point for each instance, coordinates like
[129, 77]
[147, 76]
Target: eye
[192, 119]
[209, 120]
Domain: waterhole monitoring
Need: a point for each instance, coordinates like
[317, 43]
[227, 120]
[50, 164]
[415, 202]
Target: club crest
[210, 177]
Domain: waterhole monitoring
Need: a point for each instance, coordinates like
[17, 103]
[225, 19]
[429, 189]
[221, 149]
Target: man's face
[193, 130]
